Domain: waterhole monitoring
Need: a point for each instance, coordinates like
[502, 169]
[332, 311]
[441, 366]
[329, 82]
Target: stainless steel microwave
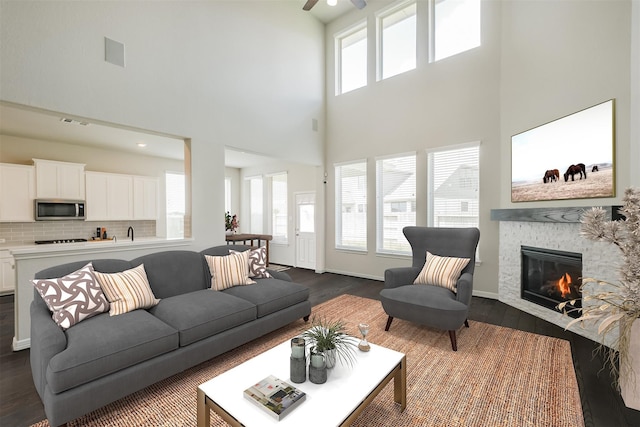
[59, 210]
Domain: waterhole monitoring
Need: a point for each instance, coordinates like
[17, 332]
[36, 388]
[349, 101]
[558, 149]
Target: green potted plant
[329, 337]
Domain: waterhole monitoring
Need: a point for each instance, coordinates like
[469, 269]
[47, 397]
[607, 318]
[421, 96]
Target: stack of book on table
[275, 396]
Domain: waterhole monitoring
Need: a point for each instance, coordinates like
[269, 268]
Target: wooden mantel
[568, 215]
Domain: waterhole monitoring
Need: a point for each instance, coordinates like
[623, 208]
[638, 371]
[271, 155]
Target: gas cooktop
[49, 242]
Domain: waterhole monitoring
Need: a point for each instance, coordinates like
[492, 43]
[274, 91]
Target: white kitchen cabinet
[145, 197]
[59, 180]
[109, 196]
[17, 191]
[7, 273]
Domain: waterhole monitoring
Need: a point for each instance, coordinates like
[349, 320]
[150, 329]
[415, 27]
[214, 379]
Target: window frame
[337, 39]
[380, 16]
[380, 215]
[339, 204]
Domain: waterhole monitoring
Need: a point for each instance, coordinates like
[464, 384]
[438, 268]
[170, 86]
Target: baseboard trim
[352, 274]
[18, 345]
[484, 294]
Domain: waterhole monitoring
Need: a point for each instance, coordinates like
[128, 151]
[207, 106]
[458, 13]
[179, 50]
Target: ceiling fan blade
[360, 4]
[309, 4]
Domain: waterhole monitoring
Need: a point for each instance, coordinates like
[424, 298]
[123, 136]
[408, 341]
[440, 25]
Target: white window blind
[351, 206]
[397, 50]
[396, 197]
[279, 211]
[351, 51]
[256, 205]
[175, 204]
[453, 187]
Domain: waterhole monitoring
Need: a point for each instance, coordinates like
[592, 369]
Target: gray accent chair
[429, 305]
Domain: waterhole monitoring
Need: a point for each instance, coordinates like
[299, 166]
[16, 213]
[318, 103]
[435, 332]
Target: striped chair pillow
[128, 290]
[441, 271]
[230, 270]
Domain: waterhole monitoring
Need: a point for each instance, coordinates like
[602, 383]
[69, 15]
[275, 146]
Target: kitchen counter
[31, 258]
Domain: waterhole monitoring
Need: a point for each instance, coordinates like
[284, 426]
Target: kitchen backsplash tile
[28, 232]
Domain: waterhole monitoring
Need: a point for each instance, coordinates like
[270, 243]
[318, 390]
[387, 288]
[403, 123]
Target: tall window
[279, 211]
[456, 27]
[397, 44]
[453, 187]
[256, 205]
[396, 199]
[175, 207]
[351, 49]
[351, 206]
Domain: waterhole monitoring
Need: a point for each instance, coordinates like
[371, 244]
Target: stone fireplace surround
[558, 229]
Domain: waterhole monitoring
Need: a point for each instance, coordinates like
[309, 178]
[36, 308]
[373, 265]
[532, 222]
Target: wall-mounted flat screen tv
[568, 158]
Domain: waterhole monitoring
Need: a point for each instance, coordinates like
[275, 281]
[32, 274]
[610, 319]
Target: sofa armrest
[465, 288]
[280, 275]
[394, 277]
[47, 340]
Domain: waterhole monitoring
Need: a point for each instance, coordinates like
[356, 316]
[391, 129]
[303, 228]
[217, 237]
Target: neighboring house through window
[395, 195]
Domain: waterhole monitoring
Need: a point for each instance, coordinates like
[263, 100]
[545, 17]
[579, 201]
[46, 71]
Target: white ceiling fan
[360, 4]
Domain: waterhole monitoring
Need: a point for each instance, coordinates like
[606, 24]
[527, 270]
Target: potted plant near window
[230, 223]
[329, 337]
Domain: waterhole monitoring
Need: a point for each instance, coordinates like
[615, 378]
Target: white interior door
[306, 230]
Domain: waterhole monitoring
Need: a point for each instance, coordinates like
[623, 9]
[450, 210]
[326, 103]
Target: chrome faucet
[130, 230]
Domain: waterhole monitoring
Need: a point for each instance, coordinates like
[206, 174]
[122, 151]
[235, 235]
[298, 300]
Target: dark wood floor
[601, 403]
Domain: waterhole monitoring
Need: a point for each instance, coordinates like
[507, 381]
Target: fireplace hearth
[550, 277]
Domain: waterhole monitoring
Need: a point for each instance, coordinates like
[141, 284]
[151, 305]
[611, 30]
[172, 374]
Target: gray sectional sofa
[105, 358]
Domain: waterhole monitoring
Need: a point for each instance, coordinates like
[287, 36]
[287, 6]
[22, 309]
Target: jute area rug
[498, 377]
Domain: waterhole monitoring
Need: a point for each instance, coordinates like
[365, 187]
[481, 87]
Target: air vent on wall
[74, 121]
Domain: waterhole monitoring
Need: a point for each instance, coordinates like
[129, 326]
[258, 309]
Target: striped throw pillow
[128, 290]
[257, 262]
[74, 297]
[230, 270]
[441, 271]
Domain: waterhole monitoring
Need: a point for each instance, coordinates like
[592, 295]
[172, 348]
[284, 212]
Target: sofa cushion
[174, 272]
[105, 344]
[127, 290]
[74, 297]
[201, 314]
[271, 295]
[230, 270]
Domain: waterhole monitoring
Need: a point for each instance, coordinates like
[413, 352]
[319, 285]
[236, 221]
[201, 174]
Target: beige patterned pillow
[230, 270]
[257, 262]
[74, 297]
[441, 271]
[128, 290]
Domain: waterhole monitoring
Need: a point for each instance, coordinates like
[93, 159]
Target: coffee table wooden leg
[400, 384]
[204, 415]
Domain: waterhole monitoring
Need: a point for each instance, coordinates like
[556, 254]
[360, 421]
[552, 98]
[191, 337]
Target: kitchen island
[31, 258]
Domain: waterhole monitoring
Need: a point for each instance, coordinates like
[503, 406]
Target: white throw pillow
[230, 270]
[128, 290]
[441, 271]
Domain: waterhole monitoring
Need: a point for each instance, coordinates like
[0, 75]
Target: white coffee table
[338, 402]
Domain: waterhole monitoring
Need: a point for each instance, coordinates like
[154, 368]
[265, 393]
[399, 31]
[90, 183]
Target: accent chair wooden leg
[454, 344]
[466, 323]
[389, 320]
[306, 318]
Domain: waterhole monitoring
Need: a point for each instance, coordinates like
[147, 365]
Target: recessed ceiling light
[141, 144]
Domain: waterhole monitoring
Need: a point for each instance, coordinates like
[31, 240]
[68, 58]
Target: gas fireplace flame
[564, 285]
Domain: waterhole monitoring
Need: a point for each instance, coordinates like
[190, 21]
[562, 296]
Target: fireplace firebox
[550, 277]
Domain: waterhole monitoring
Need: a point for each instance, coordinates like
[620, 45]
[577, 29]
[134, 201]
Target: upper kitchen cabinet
[145, 197]
[109, 196]
[59, 180]
[17, 191]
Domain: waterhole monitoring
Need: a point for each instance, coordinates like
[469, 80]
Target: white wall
[241, 73]
[449, 102]
[539, 60]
